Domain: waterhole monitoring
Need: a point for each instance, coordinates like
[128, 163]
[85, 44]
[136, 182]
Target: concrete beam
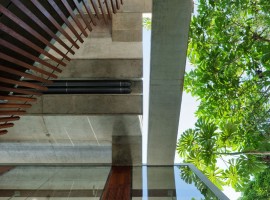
[102, 69]
[170, 26]
[16, 153]
[73, 129]
[142, 6]
[87, 104]
[104, 48]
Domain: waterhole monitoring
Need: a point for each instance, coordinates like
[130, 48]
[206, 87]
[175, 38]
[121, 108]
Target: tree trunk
[265, 153]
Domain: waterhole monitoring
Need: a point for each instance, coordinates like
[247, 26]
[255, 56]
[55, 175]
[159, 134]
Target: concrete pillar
[170, 25]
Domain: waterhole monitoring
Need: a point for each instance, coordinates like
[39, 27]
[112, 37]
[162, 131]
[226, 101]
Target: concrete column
[170, 25]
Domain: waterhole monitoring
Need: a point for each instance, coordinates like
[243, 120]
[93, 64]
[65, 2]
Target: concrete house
[80, 136]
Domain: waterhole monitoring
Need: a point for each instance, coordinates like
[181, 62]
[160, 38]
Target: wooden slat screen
[27, 31]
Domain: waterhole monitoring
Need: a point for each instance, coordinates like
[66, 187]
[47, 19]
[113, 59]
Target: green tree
[258, 188]
[207, 143]
[147, 23]
[229, 47]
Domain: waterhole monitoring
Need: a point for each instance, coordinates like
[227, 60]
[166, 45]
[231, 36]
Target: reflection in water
[189, 177]
[87, 182]
[28, 182]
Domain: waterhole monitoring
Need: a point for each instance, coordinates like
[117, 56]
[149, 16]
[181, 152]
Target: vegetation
[147, 23]
[259, 187]
[229, 47]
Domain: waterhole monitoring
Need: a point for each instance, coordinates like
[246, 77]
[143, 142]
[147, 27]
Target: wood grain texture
[118, 186]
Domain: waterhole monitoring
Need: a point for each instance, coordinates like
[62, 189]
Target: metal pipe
[89, 90]
[87, 87]
[88, 83]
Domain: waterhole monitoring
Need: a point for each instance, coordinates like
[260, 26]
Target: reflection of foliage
[189, 177]
[147, 23]
[259, 188]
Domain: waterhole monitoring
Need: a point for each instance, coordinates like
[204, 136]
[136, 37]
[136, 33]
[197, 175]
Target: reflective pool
[88, 182]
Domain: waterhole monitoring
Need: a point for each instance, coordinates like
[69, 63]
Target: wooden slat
[88, 10]
[9, 119]
[113, 6]
[32, 16]
[78, 23]
[108, 9]
[118, 185]
[23, 83]
[20, 91]
[95, 7]
[15, 72]
[64, 18]
[29, 43]
[28, 55]
[26, 65]
[12, 112]
[117, 4]
[79, 8]
[54, 22]
[7, 125]
[16, 98]
[26, 27]
[103, 12]
[3, 132]
[14, 105]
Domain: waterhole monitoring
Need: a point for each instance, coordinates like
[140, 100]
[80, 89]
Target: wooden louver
[28, 29]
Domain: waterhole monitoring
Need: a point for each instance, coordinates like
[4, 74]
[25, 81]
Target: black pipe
[86, 87]
[88, 83]
[90, 90]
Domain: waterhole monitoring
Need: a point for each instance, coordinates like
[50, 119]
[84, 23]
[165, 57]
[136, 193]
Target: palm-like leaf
[187, 142]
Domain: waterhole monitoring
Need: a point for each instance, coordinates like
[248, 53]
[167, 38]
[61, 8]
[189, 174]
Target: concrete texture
[72, 129]
[143, 6]
[127, 150]
[16, 153]
[52, 177]
[73, 139]
[87, 104]
[127, 27]
[104, 48]
[170, 25]
[102, 69]
[58, 183]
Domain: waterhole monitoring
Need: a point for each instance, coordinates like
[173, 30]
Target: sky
[187, 113]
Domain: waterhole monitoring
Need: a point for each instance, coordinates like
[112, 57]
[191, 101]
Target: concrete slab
[102, 69]
[72, 129]
[87, 104]
[104, 48]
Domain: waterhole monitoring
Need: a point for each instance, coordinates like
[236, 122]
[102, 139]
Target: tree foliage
[207, 143]
[229, 47]
[258, 188]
